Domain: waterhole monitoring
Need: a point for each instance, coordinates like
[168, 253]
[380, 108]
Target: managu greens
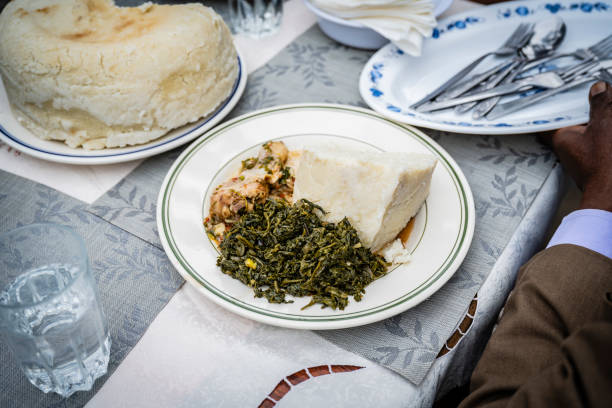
[280, 249]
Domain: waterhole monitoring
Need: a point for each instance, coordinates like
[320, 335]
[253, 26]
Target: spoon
[547, 36]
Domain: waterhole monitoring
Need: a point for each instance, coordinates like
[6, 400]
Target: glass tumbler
[255, 18]
[50, 315]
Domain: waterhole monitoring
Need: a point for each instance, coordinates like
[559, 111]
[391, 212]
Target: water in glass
[255, 18]
[51, 318]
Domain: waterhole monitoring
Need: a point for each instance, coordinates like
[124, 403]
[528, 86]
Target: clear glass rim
[82, 248]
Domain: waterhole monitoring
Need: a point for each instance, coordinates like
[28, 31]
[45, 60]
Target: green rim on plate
[458, 246]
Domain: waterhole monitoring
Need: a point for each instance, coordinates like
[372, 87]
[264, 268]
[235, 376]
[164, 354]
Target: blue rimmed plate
[20, 138]
[391, 80]
[439, 240]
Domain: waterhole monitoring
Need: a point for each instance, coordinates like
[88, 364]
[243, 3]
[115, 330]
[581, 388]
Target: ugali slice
[377, 192]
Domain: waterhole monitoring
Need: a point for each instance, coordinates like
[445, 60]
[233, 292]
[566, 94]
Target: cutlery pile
[525, 70]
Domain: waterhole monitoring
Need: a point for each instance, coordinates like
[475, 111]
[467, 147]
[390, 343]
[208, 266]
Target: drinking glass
[255, 18]
[50, 315]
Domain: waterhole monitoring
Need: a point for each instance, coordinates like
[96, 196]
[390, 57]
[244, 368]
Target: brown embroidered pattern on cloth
[284, 386]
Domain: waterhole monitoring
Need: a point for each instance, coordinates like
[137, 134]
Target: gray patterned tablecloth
[504, 172]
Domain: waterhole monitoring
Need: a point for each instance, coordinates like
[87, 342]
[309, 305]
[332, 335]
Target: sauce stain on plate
[405, 233]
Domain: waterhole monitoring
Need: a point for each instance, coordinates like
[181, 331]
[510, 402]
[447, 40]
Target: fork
[513, 106]
[513, 43]
[603, 46]
[595, 52]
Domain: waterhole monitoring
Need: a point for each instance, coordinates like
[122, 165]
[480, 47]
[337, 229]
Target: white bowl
[356, 34]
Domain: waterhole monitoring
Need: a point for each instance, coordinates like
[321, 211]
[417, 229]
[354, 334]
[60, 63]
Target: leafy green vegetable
[249, 163]
[286, 175]
[280, 249]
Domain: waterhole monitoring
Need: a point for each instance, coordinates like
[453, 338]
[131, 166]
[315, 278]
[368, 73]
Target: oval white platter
[391, 81]
[440, 239]
[17, 136]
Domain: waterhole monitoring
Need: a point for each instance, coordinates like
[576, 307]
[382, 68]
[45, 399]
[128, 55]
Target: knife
[544, 80]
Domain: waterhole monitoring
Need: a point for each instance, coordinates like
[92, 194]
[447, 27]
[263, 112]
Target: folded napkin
[404, 22]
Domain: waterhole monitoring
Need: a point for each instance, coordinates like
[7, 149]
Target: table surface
[197, 354]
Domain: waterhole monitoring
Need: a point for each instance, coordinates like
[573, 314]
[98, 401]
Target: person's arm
[553, 344]
[538, 354]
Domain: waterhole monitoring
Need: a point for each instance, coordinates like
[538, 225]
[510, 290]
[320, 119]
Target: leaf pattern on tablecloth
[275, 70]
[134, 203]
[50, 207]
[359, 58]
[421, 347]
[310, 61]
[467, 280]
[12, 258]
[497, 153]
[492, 251]
[131, 329]
[511, 199]
[256, 96]
[136, 263]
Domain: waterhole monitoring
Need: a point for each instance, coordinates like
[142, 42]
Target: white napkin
[404, 22]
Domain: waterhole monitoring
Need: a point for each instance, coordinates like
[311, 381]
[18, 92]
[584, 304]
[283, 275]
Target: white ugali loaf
[377, 192]
[95, 75]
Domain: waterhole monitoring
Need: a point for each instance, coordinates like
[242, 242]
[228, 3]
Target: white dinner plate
[441, 236]
[391, 81]
[20, 138]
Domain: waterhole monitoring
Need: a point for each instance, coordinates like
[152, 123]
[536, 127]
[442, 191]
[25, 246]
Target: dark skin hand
[585, 152]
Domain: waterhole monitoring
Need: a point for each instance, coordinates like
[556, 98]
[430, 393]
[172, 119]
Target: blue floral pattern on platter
[520, 11]
[553, 8]
[455, 25]
[378, 92]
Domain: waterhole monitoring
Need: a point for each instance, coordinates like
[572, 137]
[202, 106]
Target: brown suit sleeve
[553, 344]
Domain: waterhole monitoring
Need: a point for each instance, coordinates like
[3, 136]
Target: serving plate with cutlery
[514, 67]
